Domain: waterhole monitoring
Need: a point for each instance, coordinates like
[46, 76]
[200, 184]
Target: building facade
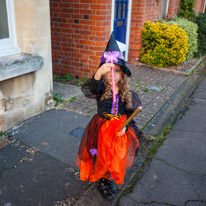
[80, 29]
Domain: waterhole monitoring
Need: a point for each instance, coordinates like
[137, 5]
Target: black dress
[94, 89]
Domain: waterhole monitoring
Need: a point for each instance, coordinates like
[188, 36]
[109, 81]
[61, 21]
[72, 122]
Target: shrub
[200, 20]
[191, 29]
[186, 9]
[163, 45]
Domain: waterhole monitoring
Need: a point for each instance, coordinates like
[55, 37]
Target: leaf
[44, 143]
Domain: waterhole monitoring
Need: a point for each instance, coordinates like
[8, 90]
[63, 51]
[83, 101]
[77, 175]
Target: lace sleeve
[132, 106]
[92, 88]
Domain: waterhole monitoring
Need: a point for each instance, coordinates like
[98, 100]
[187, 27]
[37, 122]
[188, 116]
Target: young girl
[105, 151]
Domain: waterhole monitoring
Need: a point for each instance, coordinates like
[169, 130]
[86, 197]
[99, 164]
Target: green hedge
[186, 9]
[191, 29]
[200, 20]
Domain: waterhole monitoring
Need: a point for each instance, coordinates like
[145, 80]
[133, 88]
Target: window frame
[9, 45]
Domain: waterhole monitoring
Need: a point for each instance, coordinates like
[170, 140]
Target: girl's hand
[121, 133]
[106, 67]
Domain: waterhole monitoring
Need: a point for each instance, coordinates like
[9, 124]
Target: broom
[130, 118]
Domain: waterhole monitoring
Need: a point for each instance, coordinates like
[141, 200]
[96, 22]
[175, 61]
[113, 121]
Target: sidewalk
[153, 86]
[37, 160]
[177, 172]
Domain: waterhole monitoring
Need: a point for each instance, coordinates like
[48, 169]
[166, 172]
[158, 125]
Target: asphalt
[37, 157]
[177, 173]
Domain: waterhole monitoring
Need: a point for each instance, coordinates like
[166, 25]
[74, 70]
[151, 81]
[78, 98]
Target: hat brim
[122, 64]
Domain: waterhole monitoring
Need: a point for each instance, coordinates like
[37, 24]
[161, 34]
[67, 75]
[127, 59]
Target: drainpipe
[204, 7]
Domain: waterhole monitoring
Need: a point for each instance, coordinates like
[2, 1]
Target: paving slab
[67, 91]
[11, 156]
[51, 133]
[39, 180]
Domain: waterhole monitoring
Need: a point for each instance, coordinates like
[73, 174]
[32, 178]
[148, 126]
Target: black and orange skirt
[102, 153]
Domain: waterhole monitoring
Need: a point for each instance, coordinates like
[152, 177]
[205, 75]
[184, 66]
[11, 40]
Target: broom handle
[131, 117]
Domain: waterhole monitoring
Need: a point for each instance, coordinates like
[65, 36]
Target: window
[8, 41]
[165, 5]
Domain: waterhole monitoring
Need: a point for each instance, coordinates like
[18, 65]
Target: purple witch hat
[113, 48]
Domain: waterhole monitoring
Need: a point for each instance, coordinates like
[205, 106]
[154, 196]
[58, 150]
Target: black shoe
[112, 186]
[105, 189]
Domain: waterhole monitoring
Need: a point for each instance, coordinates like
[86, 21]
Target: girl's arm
[136, 102]
[92, 88]
[103, 70]
[95, 86]
[132, 106]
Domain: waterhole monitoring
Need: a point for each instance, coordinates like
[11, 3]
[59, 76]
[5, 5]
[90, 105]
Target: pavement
[37, 157]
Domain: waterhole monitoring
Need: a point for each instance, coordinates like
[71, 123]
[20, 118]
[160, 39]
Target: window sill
[9, 51]
[19, 64]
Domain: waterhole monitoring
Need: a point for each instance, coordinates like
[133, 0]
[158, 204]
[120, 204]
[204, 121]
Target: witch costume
[103, 154]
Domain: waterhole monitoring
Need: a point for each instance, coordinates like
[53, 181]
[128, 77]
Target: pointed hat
[113, 47]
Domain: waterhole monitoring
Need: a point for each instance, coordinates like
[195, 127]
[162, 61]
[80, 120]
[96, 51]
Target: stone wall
[26, 95]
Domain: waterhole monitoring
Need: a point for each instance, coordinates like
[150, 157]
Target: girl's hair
[123, 84]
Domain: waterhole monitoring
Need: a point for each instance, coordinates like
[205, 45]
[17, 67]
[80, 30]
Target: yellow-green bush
[191, 29]
[163, 45]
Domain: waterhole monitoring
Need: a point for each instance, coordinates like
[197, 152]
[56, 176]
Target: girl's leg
[105, 190]
[112, 186]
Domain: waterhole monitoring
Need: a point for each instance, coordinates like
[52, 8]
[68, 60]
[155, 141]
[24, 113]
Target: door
[120, 20]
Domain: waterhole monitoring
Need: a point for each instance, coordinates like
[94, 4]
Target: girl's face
[117, 75]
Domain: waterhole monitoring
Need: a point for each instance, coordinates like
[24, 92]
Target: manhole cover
[78, 132]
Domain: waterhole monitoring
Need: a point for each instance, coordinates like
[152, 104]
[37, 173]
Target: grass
[69, 79]
[72, 99]
[59, 79]
[58, 99]
[146, 90]
[2, 133]
[137, 86]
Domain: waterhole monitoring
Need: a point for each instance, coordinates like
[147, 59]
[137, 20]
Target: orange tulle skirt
[114, 153]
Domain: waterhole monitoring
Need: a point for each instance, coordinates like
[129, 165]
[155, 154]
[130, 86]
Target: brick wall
[80, 30]
[199, 5]
[173, 7]
[143, 10]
